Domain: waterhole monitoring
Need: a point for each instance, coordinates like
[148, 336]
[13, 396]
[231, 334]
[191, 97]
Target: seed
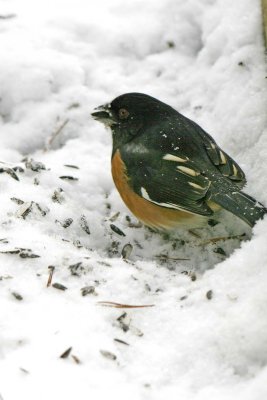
[108, 354]
[117, 230]
[59, 286]
[126, 251]
[209, 294]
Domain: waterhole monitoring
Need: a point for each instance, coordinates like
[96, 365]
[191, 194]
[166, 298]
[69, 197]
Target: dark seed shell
[59, 286]
[68, 178]
[66, 353]
[117, 230]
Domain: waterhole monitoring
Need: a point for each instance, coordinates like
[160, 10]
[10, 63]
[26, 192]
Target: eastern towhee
[169, 172]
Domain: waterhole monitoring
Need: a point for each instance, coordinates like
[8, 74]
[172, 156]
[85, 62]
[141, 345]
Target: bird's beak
[104, 114]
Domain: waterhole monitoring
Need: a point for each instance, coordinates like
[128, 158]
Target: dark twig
[119, 305]
[55, 134]
[51, 269]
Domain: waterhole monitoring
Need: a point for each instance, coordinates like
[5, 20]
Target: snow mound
[203, 332]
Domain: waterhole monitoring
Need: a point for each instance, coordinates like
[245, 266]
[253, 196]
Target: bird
[169, 172]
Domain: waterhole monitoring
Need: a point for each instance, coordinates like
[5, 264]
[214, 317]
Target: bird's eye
[123, 113]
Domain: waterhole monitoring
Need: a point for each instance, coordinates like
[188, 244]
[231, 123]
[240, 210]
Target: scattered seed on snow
[126, 251]
[26, 254]
[219, 250]
[88, 290]
[147, 287]
[125, 324]
[17, 296]
[59, 286]
[66, 223]
[66, 353]
[147, 385]
[77, 244]
[138, 244]
[106, 264]
[209, 294]
[114, 248]
[108, 354]
[23, 253]
[74, 105]
[136, 225]
[117, 230]
[27, 207]
[18, 169]
[170, 44]
[57, 196]
[124, 321]
[10, 172]
[192, 276]
[42, 210]
[35, 166]
[84, 225]
[71, 166]
[2, 277]
[68, 178]
[17, 201]
[77, 269]
[114, 217]
[25, 371]
[136, 331]
[121, 341]
[15, 251]
[24, 210]
[8, 16]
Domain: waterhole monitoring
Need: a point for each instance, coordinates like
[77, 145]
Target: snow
[203, 338]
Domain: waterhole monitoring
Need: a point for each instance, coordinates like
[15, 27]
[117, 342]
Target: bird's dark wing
[176, 165]
[169, 182]
[223, 162]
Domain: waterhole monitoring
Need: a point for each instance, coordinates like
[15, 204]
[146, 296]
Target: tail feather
[240, 204]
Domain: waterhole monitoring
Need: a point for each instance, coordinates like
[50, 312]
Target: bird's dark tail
[240, 204]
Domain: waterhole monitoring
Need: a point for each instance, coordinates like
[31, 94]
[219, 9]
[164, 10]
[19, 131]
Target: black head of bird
[129, 114]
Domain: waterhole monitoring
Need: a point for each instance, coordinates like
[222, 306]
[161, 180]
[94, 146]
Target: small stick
[55, 134]
[52, 269]
[194, 233]
[119, 305]
[264, 15]
[223, 238]
[76, 359]
[165, 257]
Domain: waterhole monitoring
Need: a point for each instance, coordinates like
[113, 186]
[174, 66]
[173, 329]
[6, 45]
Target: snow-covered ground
[205, 336]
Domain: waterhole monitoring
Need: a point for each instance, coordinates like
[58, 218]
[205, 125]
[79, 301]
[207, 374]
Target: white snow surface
[59, 60]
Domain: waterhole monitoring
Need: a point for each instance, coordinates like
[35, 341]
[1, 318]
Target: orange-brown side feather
[150, 214]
